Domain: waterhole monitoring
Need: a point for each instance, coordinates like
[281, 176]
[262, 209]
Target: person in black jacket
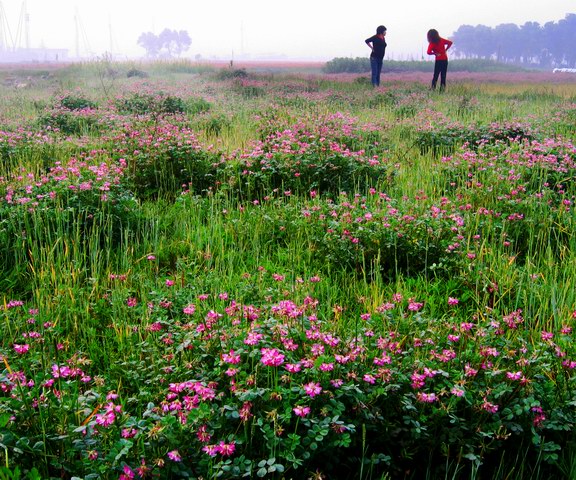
[378, 46]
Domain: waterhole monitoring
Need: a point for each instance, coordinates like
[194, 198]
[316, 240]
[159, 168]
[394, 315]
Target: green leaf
[262, 472]
[4, 419]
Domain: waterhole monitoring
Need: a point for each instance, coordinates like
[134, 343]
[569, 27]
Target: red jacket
[439, 49]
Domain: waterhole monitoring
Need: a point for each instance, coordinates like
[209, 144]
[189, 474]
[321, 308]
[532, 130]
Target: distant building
[40, 55]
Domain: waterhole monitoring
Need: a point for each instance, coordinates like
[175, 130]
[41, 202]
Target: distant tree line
[532, 44]
[362, 65]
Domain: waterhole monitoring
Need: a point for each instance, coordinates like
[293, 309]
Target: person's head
[433, 36]
[381, 30]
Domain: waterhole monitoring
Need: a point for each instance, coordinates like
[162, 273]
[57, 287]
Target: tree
[464, 40]
[173, 42]
[566, 32]
[168, 44]
[484, 41]
[474, 41]
[151, 43]
[531, 38]
[507, 42]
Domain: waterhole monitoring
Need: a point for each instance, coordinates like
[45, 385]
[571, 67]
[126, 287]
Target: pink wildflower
[128, 432]
[312, 389]
[426, 397]
[489, 407]
[271, 357]
[414, 306]
[21, 349]
[232, 357]
[211, 450]
[301, 411]
[226, 449]
[174, 455]
[189, 309]
[327, 367]
[245, 412]
[571, 364]
[203, 435]
[546, 335]
[457, 391]
[514, 375]
[369, 378]
[128, 473]
[293, 367]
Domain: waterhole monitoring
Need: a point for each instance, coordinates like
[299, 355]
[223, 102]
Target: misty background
[59, 30]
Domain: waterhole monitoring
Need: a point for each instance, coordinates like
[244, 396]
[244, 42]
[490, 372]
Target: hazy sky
[296, 29]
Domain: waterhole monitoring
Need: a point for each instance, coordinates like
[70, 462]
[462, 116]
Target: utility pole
[110, 37]
[77, 34]
[3, 39]
[26, 26]
[242, 38]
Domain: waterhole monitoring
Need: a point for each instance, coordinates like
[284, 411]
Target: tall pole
[6, 40]
[77, 33]
[26, 26]
[2, 30]
[242, 38]
[110, 35]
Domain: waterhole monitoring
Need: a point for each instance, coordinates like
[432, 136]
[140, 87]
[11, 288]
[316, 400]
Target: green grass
[138, 250]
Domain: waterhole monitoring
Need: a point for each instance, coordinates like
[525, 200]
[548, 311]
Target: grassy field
[239, 271]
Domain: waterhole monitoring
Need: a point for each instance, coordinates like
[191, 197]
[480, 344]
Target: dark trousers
[376, 66]
[440, 69]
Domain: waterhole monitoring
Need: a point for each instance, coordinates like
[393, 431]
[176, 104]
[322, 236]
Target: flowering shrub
[443, 136]
[71, 122]
[23, 145]
[518, 187]
[232, 73]
[143, 104]
[76, 102]
[248, 88]
[273, 389]
[165, 157]
[374, 234]
[82, 200]
[304, 158]
[196, 106]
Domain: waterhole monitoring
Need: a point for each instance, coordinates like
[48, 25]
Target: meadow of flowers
[213, 273]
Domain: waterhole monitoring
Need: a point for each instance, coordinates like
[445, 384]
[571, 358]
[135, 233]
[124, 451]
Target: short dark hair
[433, 35]
[380, 29]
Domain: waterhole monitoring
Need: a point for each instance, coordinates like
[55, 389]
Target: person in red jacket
[438, 47]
